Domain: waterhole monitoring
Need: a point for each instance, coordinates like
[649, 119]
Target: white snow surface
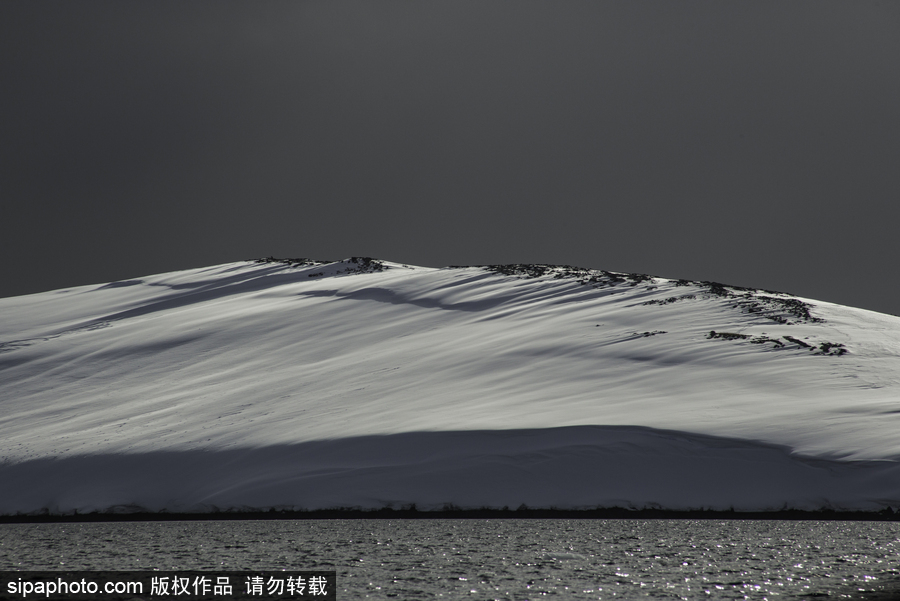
[357, 384]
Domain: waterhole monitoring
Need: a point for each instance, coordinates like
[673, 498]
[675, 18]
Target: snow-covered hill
[362, 383]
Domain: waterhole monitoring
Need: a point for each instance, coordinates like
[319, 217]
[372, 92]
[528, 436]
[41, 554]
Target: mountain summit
[301, 384]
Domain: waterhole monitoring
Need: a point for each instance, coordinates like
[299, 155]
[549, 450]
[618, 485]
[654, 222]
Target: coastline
[411, 513]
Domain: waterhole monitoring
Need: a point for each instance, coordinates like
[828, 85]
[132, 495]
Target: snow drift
[363, 384]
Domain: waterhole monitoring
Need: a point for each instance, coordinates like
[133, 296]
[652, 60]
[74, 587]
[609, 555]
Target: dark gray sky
[749, 142]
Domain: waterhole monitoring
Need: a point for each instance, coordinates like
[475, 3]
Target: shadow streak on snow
[267, 277]
[385, 295]
[554, 293]
[575, 467]
[181, 295]
[247, 282]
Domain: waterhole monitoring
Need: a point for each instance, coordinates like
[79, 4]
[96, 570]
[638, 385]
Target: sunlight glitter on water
[499, 559]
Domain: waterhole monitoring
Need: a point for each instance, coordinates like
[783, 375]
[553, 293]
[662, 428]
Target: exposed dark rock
[300, 262]
[726, 335]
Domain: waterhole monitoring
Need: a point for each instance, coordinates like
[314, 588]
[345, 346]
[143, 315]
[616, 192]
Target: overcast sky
[754, 143]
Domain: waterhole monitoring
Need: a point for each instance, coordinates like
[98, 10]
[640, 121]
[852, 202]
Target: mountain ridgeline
[778, 307]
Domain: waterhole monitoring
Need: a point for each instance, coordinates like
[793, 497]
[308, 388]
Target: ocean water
[498, 559]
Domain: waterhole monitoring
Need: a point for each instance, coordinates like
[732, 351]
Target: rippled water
[499, 559]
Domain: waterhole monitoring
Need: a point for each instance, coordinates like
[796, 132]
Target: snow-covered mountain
[360, 383]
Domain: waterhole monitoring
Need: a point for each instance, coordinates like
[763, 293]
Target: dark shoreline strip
[610, 513]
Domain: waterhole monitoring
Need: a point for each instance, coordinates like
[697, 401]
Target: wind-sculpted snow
[251, 384]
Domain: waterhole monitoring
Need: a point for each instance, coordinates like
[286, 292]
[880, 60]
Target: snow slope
[367, 384]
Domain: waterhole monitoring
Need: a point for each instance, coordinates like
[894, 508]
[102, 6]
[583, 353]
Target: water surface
[498, 559]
